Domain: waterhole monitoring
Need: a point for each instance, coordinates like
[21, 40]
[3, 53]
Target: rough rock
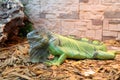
[11, 18]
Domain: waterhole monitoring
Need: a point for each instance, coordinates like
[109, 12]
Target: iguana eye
[36, 32]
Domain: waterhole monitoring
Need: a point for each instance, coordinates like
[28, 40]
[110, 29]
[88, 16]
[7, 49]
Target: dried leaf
[15, 65]
[21, 75]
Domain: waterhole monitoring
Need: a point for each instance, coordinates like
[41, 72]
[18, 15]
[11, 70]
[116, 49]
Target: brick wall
[98, 19]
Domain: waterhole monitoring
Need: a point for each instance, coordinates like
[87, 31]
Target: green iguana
[42, 43]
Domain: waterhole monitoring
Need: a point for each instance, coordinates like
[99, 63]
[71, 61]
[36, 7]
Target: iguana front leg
[57, 60]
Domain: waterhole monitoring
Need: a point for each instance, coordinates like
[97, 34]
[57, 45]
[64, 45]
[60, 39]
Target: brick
[90, 33]
[73, 15]
[86, 7]
[59, 8]
[59, 1]
[80, 25]
[84, 1]
[64, 32]
[114, 27]
[35, 17]
[106, 1]
[98, 34]
[110, 33]
[51, 16]
[114, 21]
[81, 28]
[82, 15]
[111, 1]
[53, 25]
[77, 33]
[42, 15]
[93, 27]
[112, 14]
[86, 15]
[82, 34]
[94, 1]
[105, 24]
[74, 7]
[68, 27]
[98, 7]
[77, 17]
[97, 27]
[74, 27]
[68, 23]
[112, 8]
[97, 22]
[89, 25]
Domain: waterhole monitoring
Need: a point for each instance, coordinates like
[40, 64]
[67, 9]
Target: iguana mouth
[38, 46]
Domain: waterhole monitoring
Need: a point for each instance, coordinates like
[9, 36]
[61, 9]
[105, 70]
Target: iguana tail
[117, 52]
[114, 51]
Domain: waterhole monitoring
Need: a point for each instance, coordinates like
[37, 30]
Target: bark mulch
[15, 65]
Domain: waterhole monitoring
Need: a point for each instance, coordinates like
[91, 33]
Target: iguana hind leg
[104, 55]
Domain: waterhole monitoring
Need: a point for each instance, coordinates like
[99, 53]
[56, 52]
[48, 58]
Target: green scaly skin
[70, 48]
[62, 48]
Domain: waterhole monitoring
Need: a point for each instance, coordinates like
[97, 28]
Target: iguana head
[39, 41]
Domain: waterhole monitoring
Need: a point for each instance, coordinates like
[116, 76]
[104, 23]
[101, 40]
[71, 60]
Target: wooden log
[11, 19]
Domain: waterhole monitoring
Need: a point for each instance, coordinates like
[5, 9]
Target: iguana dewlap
[44, 43]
